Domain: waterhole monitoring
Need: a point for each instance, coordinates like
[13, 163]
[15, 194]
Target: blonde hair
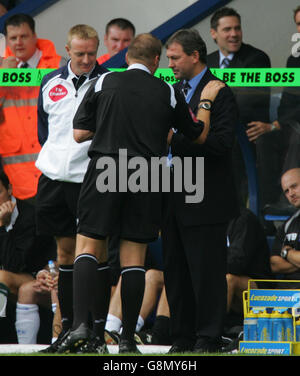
[82, 32]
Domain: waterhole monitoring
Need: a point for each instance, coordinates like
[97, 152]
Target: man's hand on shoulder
[211, 89]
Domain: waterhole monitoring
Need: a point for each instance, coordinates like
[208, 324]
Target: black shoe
[111, 338]
[233, 346]
[52, 349]
[74, 340]
[144, 338]
[181, 348]
[127, 346]
[210, 345]
[93, 346]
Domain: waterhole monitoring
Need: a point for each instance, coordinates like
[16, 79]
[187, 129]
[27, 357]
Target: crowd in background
[31, 218]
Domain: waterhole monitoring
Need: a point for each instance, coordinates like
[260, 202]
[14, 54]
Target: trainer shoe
[143, 337]
[74, 340]
[111, 338]
[93, 346]
[126, 346]
[52, 349]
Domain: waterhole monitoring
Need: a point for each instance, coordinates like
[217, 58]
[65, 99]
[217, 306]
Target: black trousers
[195, 278]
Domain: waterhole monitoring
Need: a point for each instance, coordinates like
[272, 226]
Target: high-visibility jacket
[103, 58]
[19, 145]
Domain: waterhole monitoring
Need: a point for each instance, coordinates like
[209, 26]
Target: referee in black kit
[128, 116]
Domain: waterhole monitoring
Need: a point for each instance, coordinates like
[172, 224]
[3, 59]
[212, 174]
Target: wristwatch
[205, 105]
[284, 253]
[273, 127]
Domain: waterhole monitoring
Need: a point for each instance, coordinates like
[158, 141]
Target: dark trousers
[195, 279]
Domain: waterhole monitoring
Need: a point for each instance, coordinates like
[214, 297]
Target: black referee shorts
[56, 207]
[134, 216]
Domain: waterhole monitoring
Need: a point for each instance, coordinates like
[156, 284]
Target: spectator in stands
[285, 255]
[288, 122]
[119, 32]
[253, 103]
[22, 252]
[19, 145]
[62, 161]
[248, 257]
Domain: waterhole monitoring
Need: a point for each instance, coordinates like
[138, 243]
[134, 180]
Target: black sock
[102, 298]
[161, 330]
[84, 281]
[65, 295]
[132, 293]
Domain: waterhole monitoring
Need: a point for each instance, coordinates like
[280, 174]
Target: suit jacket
[220, 200]
[254, 102]
[289, 108]
[21, 249]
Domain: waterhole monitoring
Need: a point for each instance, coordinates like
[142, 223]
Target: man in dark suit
[253, 103]
[288, 123]
[128, 116]
[194, 234]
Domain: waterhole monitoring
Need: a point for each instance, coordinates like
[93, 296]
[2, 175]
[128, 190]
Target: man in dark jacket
[22, 252]
[194, 234]
[253, 103]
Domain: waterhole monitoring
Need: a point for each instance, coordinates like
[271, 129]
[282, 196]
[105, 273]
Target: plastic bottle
[298, 329]
[278, 332]
[288, 326]
[250, 326]
[52, 268]
[264, 328]
[54, 298]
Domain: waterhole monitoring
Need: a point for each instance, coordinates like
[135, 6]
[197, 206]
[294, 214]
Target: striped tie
[186, 88]
[225, 62]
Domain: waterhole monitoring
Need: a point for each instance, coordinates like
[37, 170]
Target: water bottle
[54, 298]
[288, 326]
[298, 329]
[52, 268]
[250, 326]
[264, 326]
[278, 332]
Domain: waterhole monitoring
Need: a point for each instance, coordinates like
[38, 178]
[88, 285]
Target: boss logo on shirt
[58, 92]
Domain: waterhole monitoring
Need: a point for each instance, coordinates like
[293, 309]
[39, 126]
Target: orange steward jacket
[19, 145]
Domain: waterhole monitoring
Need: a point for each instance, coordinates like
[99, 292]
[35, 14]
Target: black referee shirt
[133, 110]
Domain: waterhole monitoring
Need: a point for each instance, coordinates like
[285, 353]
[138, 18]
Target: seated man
[22, 252]
[40, 292]
[247, 257]
[285, 255]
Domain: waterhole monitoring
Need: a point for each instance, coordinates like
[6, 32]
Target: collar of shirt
[139, 66]
[34, 60]
[72, 74]
[194, 83]
[14, 216]
[222, 57]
